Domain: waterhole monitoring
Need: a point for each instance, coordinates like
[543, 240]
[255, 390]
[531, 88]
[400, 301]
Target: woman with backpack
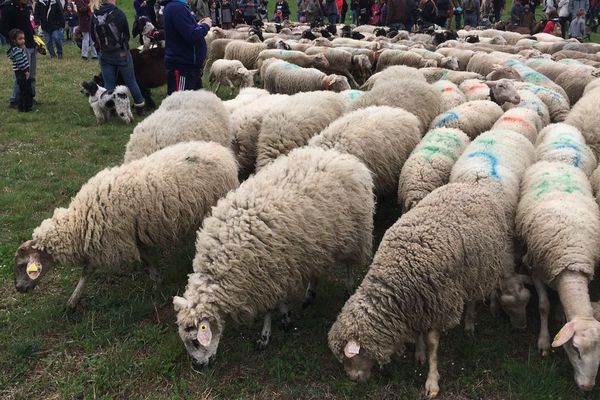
[111, 36]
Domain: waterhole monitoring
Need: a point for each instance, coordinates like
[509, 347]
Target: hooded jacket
[120, 21]
[184, 38]
[49, 14]
[14, 15]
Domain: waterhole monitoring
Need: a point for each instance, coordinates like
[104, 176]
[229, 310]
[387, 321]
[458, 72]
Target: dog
[150, 35]
[104, 101]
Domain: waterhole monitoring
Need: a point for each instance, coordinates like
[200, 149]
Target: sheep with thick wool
[521, 120]
[291, 122]
[285, 78]
[559, 221]
[443, 253]
[266, 240]
[564, 143]
[393, 74]
[245, 96]
[456, 77]
[402, 57]
[299, 58]
[182, 117]
[530, 75]
[575, 79]
[155, 201]
[472, 117]
[345, 63]
[585, 117]
[558, 106]
[245, 52]
[429, 165]
[231, 73]
[532, 102]
[452, 96]
[380, 136]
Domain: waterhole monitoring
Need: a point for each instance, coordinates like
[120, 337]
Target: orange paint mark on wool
[476, 87]
[448, 89]
[511, 118]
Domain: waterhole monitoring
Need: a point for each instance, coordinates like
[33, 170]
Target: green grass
[121, 343]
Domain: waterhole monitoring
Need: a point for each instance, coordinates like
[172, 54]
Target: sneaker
[94, 58]
[84, 58]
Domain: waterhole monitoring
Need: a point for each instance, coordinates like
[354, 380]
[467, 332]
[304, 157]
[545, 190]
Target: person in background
[471, 13]
[200, 9]
[20, 66]
[354, 11]
[84, 13]
[498, 7]
[428, 12]
[577, 27]
[575, 5]
[375, 13]
[563, 16]
[553, 25]
[227, 11]
[50, 15]
[15, 15]
[215, 12]
[331, 11]
[249, 10]
[282, 11]
[312, 10]
[442, 9]
[185, 46]
[516, 13]
[110, 30]
[549, 5]
[343, 11]
[364, 11]
[71, 20]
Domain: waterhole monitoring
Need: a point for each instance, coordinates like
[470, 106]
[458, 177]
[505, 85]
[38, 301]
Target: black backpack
[108, 36]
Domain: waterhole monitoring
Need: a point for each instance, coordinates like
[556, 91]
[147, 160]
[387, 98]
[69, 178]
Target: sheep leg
[543, 343]
[432, 387]
[311, 293]
[494, 307]
[231, 85]
[470, 318]
[420, 350]
[286, 320]
[218, 86]
[265, 335]
[349, 75]
[76, 296]
[151, 270]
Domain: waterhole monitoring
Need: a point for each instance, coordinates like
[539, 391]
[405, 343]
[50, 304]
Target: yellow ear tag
[33, 270]
[556, 337]
[33, 267]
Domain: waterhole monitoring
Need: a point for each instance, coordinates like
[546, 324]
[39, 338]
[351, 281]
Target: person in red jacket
[85, 20]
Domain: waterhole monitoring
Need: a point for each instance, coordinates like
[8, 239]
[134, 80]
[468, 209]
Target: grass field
[121, 342]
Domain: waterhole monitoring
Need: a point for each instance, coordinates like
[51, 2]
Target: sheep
[585, 117]
[532, 102]
[503, 72]
[559, 55]
[475, 89]
[548, 68]
[293, 121]
[521, 120]
[245, 52]
[442, 61]
[401, 57]
[429, 165]
[299, 58]
[472, 117]
[232, 73]
[456, 77]
[183, 116]
[557, 206]
[483, 63]
[424, 101]
[532, 76]
[591, 85]
[245, 96]
[286, 78]
[511, 38]
[452, 96]
[216, 51]
[558, 106]
[446, 251]
[264, 241]
[344, 62]
[392, 74]
[384, 145]
[574, 81]
[462, 55]
[119, 213]
[564, 143]
[347, 42]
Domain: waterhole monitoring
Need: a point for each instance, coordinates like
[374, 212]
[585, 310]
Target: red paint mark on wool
[476, 87]
[511, 118]
[448, 89]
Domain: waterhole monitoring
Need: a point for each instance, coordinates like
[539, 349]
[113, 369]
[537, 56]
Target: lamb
[245, 96]
[429, 165]
[286, 78]
[472, 117]
[266, 240]
[118, 214]
[232, 73]
[456, 77]
[393, 74]
[521, 120]
[452, 96]
[381, 137]
[558, 106]
[532, 102]
[293, 121]
[344, 63]
[401, 57]
[557, 206]
[564, 143]
[446, 251]
[585, 117]
[424, 101]
[245, 52]
[299, 58]
[182, 117]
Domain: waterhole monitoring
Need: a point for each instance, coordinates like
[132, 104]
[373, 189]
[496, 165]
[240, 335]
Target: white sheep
[285, 78]
[585, 116]
[345, 63]
[401, 57]
[452, 96]
[472, 117]
[392, 74]
[245, 96]
[522, 120]
[299, 58]
[558, 106]
[532, 102]
[245, 52]
[231, 73]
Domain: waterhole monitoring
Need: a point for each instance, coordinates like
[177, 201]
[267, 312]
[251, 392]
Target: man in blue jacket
[185, 47]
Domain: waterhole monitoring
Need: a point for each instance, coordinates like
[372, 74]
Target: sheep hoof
[287, 325]
[544, 347]
[431, 388]
[262, 343]
[470, 330]
[420, 357]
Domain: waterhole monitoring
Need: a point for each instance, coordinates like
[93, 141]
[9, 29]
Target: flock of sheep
[490, 148]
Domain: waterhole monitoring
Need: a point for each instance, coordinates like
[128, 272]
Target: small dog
[104, 101]
[150, 35]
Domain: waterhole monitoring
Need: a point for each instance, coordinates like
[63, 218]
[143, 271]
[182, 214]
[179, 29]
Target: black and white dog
[104, 101]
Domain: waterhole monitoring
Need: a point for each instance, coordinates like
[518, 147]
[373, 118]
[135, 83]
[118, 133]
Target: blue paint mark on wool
[491, 158]
[447, 118]
[353, 94]
[574, 147]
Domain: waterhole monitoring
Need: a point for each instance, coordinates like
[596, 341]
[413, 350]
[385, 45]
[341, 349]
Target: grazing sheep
[557, 207]
[393, 74]
[182, 117]
[245, 96]
[472, 117]
[285, 78]
[266, 240]
[532, 102]
[456, 77]
[574, 81]
[293, 121]
[558, 106]
[299, 58]
[424, 101]
[564, 143]
[585, 117]
[521, 120]
[452, 96]
[400, 57]
[381, 137]
[344, 63]
[429, 165]
[231, 73]
[245, 52]
[443, 253]
[153, 202]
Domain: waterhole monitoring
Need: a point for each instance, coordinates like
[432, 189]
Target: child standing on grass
[20, 64]
[577, 27]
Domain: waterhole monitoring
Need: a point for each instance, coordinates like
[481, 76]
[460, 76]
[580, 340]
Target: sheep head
[449, 63]
[357, 364]
[504, 91]
[336, 83]
[514, 298]
[580, 338]
[30, 264]
[247, 76]
[503, 72]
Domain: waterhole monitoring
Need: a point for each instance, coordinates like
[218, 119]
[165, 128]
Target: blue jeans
[471, 19]
[333, 19]
[54, 37]
[115, 62]
[457, 19]
[16, 93]
[354, 17]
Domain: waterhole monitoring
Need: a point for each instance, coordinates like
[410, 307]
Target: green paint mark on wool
[485, 141]
[431, 150]
[443, 143]
[559, 183]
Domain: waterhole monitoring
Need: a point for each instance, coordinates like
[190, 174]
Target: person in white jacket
[563, 16]
[549, 5]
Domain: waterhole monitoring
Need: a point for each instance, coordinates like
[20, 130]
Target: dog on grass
[103, 101]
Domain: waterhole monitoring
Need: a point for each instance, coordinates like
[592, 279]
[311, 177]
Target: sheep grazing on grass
[557, 207]
[443, 253]
[564, 143]
[452, 96]
[121, 212]
[585, 116]
[231, 73]
[429, 165]
[393, 74]
[381, 137]
[472, 117]
[266, 240]
[521, 120]
[285, 78]
[245, 52]
[293, 121]
[182, 117]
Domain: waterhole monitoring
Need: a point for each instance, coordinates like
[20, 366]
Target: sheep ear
[180, 303]
[352, 348]
[204, 333]
[241, 70]
[253, 71]
[565, 334]
[491, 84]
